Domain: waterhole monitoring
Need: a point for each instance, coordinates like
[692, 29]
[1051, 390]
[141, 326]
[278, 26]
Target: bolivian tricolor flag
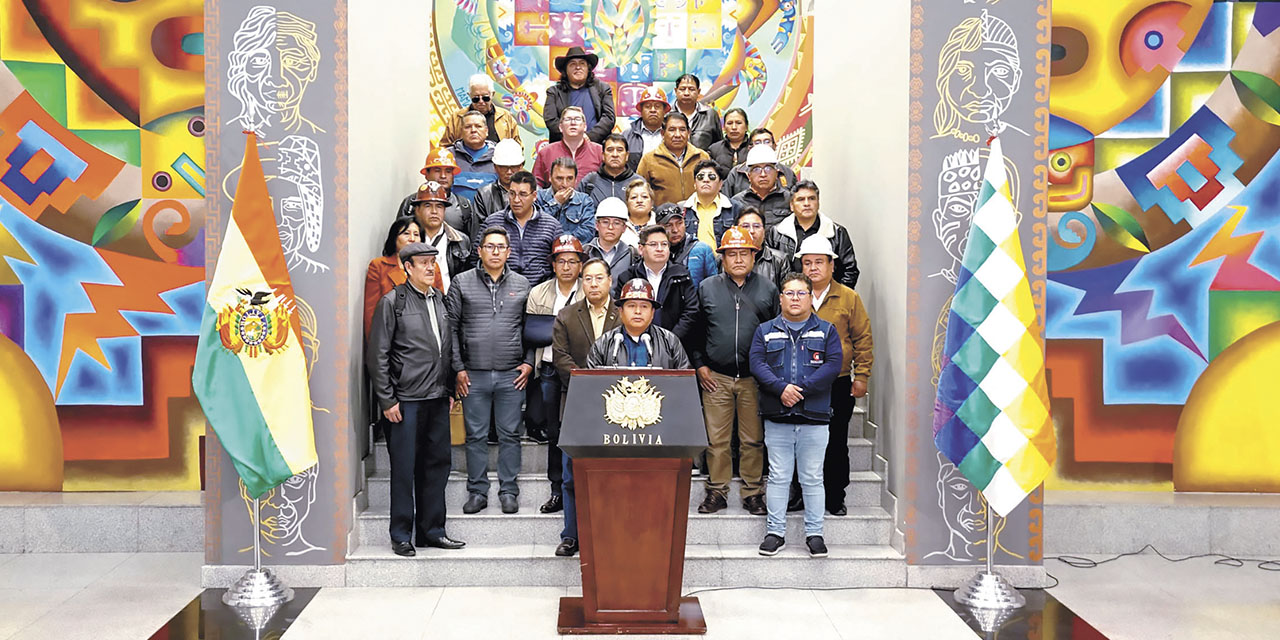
[250, 373]
[991, 416]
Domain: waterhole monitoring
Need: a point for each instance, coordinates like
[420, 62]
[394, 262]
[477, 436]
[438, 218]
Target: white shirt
[561, 301]
[654, 278]
[819, 296]
[441, 243]
[431, 314]
[651, 139]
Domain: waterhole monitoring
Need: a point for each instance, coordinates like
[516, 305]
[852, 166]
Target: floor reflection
[1044, 618]
[206, 618]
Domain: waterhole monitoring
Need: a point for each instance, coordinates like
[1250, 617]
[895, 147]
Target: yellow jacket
[503, 121]
[843, 308]
[670, 181]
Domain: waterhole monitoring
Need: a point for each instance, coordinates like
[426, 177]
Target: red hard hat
[431, 190]
[638, 289]
[567, 244]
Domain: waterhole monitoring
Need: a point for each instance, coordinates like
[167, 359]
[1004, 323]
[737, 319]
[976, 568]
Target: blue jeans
[798, 448]
[492, 391]
[570, 501]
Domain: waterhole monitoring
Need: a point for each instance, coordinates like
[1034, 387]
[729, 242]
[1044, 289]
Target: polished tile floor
[157, 595]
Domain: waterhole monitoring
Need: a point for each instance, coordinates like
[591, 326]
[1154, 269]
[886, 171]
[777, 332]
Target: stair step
[715, 565]
[863, 491]
[863, 526]
[533, 457]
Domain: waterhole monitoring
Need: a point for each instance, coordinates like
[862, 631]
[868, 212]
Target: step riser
[534, 492]
[533, 458]
[566, 572]
[736, 530]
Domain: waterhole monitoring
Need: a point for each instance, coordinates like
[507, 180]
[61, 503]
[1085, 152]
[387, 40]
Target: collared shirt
[802, 233]
[819, 296]
[654, 278]
[431, 312]
[706, 220]
[637, 350]
[598, 315]
[560, 302]
[441, 243]
[589, 156]
[651, 139]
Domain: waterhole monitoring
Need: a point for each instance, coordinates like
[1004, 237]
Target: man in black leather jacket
[805, 220]
[638, 342]
[409, 358]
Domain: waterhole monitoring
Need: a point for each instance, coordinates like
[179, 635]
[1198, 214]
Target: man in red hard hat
[638, 342]
[440, 166]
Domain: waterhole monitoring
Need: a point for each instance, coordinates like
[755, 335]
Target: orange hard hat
[736, 238]
[440, 157]
[653, 94]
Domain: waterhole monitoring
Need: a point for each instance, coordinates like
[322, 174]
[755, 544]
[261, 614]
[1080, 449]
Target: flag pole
[258, 593]
[989, 590]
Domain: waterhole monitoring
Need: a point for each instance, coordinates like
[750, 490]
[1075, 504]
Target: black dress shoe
[445, 542]
[552, 505]
[755, 505]
[509, 503]
[839, 510]
[567, 547]
[712, 503]
[537, 435]
[475, 503]
[404, 549]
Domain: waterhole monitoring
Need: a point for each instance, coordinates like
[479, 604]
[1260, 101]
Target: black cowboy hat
[576, 52]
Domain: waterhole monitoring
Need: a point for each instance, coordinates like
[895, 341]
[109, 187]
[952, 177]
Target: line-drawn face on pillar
[275, 59]
[978, 75]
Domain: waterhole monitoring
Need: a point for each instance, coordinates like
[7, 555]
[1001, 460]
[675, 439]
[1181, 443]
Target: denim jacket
[809, 359]
[577, 216]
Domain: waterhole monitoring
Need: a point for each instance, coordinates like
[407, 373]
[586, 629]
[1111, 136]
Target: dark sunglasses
[482, 98]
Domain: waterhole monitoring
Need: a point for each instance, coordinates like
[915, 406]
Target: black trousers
[549, 393]
[835, 465]
[419, 450]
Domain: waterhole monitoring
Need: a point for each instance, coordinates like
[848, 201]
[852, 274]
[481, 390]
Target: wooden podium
[632, 434]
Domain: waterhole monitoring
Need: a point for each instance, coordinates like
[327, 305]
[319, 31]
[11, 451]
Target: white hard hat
[816, 245]
[508, 154]
[762, 154]
[612, 208]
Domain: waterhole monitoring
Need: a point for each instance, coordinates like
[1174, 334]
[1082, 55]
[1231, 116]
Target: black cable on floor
[1079, 562]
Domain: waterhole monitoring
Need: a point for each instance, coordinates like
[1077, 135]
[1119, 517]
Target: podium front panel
[633, 413]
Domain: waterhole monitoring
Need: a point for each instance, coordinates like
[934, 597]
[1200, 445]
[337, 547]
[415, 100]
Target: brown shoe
[712, 503]
[755, 505]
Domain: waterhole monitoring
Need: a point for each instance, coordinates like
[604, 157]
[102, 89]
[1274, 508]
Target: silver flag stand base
[989, 591]
[258, 594]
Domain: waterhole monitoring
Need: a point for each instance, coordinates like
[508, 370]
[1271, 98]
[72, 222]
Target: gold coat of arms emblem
[633, 405]
[253, 325]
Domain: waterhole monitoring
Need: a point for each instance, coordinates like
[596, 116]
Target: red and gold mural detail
[101, 243]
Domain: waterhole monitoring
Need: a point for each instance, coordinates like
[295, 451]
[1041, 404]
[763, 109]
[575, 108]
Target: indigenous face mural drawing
[102, 254]
[301, 214]
[732, 45]
[275, 59]
[959, 182]
[978, 75]
[282, 513]
[1163, 286]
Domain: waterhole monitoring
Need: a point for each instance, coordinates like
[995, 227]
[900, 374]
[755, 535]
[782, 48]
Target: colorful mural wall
[1163, 320]
[754, 54]
[101, 243]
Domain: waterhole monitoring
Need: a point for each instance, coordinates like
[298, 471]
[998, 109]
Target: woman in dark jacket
[732, 150]
[578, 81]
[704, 120]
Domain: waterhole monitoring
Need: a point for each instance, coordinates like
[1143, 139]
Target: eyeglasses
[495, 248]
[573, 120]
[594, 279]
[521, 195]
[796, 295]
[482, 98]
[760, 169]
[567, 262]
[709, 176]
[658, 245]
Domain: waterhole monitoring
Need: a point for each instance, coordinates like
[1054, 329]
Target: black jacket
[403, 359]
[600, 185]
[635, 144]
[705, 128]
[728, 157]
[775, 205]
[772, 266]
[783, 238]
[676, 293]
[623, 257]
[458, 252]
[728, 316]
[737, 181]
[665, 350]
[460, 214]
[490, 198]
[485, 319]
[601, 98]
